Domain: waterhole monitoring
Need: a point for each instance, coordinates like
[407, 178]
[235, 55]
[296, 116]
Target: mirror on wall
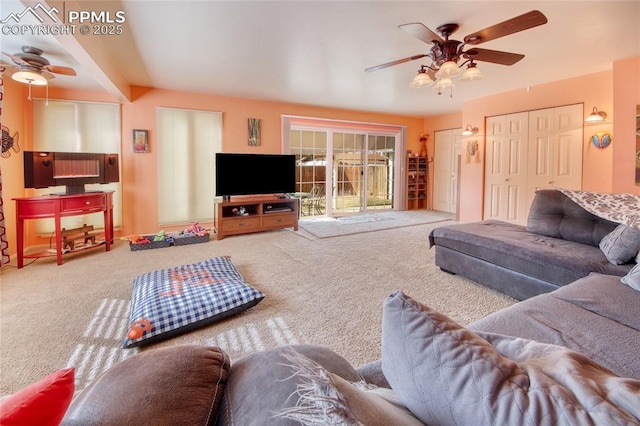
[638, 145]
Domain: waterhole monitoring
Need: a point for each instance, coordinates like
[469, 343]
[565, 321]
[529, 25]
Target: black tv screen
[247, 174]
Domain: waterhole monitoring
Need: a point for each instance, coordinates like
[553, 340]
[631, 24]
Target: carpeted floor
[326, 291]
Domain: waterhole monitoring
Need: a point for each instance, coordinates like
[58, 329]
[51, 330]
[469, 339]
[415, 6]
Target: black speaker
[111, 169]
[38, 169]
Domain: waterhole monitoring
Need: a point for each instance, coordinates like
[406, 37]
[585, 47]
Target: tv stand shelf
[261, 213]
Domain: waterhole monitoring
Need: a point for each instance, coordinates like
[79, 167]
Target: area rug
[329, 227]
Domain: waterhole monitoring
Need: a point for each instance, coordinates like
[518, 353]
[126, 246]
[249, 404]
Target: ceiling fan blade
[16, 60]
[60, 70]
[421, 32]
[493, 56]
[47, 75]
[396, 62]
[510, 26]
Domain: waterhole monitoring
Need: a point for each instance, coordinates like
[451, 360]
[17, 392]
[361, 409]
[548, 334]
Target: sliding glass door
[344, 172]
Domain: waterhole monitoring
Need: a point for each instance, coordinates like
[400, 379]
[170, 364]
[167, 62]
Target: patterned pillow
[169, 302]
[621, 245]
[632, 279]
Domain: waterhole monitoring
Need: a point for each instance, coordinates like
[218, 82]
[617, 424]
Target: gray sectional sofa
[558, 246]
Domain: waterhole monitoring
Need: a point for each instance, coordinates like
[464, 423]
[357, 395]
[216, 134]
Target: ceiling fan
[446, 53]
[33, 68]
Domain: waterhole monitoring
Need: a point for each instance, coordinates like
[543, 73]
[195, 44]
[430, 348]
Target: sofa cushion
[577, 316]
[263, 384]
[43, 403]
[168, 302]
[326, 398]
[446, 374]
[174, 385]
[553, 214]
[632, 279]
[510, 246]
[621, 245]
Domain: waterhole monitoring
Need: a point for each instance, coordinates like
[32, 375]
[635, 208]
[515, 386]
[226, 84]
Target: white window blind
[72, 126]
[187, 143]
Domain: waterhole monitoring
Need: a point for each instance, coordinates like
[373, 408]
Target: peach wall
[591, 90]
[626, 94]
[14, 103]
[139, 170]
[139, 183]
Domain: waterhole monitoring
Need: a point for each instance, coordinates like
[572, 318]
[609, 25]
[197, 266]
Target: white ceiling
[315, 52]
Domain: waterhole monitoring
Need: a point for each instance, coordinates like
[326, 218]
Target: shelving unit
[417, 182]
[246, 214]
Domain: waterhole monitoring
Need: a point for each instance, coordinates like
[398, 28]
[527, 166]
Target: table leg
[20, 241]
[58, 239]
[108, 228]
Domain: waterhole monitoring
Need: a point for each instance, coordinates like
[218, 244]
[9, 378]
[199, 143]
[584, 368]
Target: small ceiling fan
[33, 68]
[446, 53]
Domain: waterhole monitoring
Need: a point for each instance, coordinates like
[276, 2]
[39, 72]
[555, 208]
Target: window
[187, 143]
[73, 126]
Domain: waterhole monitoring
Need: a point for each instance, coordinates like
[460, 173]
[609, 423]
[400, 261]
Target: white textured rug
[328, 227]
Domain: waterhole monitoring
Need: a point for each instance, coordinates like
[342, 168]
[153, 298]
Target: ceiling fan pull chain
[29, 97]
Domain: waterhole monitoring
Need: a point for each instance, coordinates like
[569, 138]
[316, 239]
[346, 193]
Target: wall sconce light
[596, 116]
[469, 130]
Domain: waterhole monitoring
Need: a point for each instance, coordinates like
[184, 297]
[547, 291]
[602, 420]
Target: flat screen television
[248, 174]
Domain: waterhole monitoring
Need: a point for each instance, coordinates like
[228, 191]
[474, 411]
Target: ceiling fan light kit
[30, 77]
[421, 79]
[447, 54]
[472, 73]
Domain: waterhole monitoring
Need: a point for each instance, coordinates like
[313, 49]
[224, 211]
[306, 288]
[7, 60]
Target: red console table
[57, 206]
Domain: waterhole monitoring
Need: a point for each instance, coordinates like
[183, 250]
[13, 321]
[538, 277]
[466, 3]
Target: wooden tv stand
[262, 213]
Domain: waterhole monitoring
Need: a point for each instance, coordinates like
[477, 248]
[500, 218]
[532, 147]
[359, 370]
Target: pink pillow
[43, 403]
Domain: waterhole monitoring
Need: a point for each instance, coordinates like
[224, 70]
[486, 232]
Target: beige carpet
[320, 291]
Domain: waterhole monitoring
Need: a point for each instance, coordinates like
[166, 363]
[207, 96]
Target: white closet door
[555, 148]
[445, 180]
[506, 167]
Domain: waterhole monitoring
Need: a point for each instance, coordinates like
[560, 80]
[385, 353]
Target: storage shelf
[416, 182]
[263, 213]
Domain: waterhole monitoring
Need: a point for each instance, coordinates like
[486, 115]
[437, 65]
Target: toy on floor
[194, 230]
[138, 328]
[136, 239]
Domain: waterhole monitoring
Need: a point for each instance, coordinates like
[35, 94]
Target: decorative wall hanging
[423, 140]
[254, 131]
[140, 140]
[601, 140]
[9, 143]
[472, 151]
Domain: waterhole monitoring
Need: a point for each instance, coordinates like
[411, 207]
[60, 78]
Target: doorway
[342, 172]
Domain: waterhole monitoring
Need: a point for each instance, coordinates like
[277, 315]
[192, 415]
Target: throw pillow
[632, 279]
[169, 302]
[446, 374]
[621, 245]
[328, 399]
[42, 403]
[262, 384]
[176, 385]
